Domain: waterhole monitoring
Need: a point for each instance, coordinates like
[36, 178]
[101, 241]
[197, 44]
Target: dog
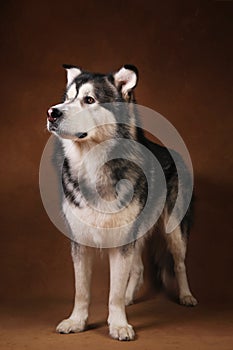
[99, 128]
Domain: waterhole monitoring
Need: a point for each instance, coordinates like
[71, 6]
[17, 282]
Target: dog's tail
[162, 264]
[167, 274]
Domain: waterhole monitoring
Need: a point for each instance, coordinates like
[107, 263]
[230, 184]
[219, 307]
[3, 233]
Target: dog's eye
[89, 100]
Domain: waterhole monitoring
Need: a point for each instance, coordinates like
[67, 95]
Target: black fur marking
[110, 79]
[75, 248]
[81, 135]
[104, 85]
[69, 66]
[104, 91]
[68, 180]
[127, 249]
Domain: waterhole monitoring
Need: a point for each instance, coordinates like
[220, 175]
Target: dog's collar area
[81, 135]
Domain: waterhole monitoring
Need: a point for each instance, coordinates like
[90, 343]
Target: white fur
[92, 226]
[177, 247]
[81, 117]
[127, 78]
[120, 267]
[86, 89]
[136, 274]
[72, 73]
[71, 93]
[82, 268]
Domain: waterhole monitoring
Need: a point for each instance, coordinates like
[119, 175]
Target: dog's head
[86, 101]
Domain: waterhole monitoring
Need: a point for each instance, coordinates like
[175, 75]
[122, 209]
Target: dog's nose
[54, 114]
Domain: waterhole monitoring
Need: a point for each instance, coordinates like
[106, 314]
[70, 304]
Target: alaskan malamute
[106, 190]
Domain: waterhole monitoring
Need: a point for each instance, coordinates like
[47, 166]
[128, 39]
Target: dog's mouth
[64, 134]
[52, 128]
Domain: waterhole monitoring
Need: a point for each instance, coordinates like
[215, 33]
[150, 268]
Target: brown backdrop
[183, 50]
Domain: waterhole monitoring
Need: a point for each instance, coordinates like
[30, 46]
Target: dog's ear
[126, 78]
[72, 72]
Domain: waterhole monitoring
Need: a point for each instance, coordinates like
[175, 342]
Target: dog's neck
[82, 158]
[75, 151]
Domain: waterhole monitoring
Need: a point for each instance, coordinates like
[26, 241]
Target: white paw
[70, 326]
[188, 300]
[123, 333]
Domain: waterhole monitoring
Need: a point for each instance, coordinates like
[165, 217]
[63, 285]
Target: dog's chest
[97, 211]
[99, 200]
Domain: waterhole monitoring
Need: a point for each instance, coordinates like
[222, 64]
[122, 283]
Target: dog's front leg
[120, 265]
[82, 259]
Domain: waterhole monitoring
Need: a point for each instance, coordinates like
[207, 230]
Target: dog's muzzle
[54, 116]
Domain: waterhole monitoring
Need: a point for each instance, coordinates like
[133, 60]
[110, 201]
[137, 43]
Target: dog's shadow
[150, 312]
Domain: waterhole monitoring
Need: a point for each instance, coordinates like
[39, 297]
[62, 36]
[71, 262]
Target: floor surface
[159, 323]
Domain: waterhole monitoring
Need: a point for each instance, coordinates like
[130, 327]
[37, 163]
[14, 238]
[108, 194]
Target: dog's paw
[70, 326]
[123, 333]
[188, 300]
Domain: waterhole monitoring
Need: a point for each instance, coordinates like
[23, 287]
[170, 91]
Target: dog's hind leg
[120, 266]
[135, 277]
[82, 259]
[177, 247]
